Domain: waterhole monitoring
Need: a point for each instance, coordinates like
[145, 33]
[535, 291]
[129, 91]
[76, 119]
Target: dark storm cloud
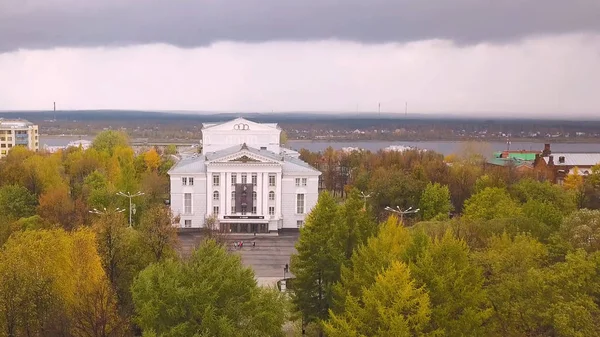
[190, 23]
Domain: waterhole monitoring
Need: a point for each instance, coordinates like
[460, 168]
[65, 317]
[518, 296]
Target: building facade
[555, 167]
[15, 132]
[244, 180]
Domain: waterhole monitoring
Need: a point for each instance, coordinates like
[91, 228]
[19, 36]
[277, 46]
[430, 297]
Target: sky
[471, 57]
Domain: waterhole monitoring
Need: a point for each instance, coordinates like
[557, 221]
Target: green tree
[211, 294]
[170, 150]
[108, 141]
[283, 137]
[455, 287]
[528, 189]
[392, 243]
[317, 263]
[17, 202]
[516, 286]
[392, 306]
[491, 203]
[158, 233]
[354, 223]
[435, 202]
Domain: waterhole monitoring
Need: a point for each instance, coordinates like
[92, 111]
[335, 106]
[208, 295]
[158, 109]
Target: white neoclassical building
[245, 179]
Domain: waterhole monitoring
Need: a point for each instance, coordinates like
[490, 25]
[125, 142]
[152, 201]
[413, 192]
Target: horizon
[328, 114]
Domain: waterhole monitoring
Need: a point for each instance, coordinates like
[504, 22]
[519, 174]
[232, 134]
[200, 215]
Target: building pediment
[245, 155]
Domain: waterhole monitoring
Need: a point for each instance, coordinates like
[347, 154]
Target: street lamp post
[130, 196]
[365, 197]
[398, 210]
[95, 211]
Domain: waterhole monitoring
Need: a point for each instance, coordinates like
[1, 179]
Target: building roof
[14, 123]
[575, 159]
[193, 164]
[510, 161]
[522, 154]
[197, 164]
[236, 121]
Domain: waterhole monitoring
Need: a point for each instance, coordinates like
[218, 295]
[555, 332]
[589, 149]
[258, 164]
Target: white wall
[289, 192]
[198, 191]
[215, 140]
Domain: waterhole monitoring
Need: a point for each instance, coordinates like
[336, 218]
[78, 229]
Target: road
[267, 258]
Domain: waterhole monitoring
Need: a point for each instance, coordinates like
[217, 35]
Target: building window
[216, 195]
[216, 180]
[191, 181]
[254, 179]
[216, 210]
[271, 210]
[187, 203]
[253, 195]
[253, 209]
[300, 223]
[304, 181]
[188, 223]
[243, 210]
[183, 181]
[232, 209]
[297, 182]
[271, 195]
[232, 195]
[299, 203]
[233, 179]
[244, 178]
[271, 180]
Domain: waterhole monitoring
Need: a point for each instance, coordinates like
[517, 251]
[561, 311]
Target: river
[444, 147]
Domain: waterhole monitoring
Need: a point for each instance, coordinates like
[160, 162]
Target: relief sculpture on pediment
[244, 159]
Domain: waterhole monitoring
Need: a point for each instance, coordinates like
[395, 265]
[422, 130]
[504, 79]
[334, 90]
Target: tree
[158, 233]
[516, 286]
[211, 294]
[316, 265]
[491, 203]
[580, 230]
[152, 159]
[283, 137]
[435, 202]
[393, 188]
[17, 202]
[574, 182]
[393, 306]
[392, 243]
[57, 208]
[353, 224]
[108, 141]
[110, 231]
[170, 150]
[529, 189]
[51, 283]
[455, 287]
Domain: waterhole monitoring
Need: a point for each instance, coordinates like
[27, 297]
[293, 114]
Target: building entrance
[244, 228]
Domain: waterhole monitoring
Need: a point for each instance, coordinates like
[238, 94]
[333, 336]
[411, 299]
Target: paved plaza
[267, 257]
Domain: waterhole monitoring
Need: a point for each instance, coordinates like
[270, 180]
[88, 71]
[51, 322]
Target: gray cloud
[191, 23]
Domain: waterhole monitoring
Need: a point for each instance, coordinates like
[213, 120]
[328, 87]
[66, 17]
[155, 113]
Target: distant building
[84, 144]
[557, 166]
[18, 132]
[244, 179]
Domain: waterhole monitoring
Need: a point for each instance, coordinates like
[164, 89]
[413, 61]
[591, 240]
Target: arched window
[216, 195]
[253, 195]
[271, 195]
